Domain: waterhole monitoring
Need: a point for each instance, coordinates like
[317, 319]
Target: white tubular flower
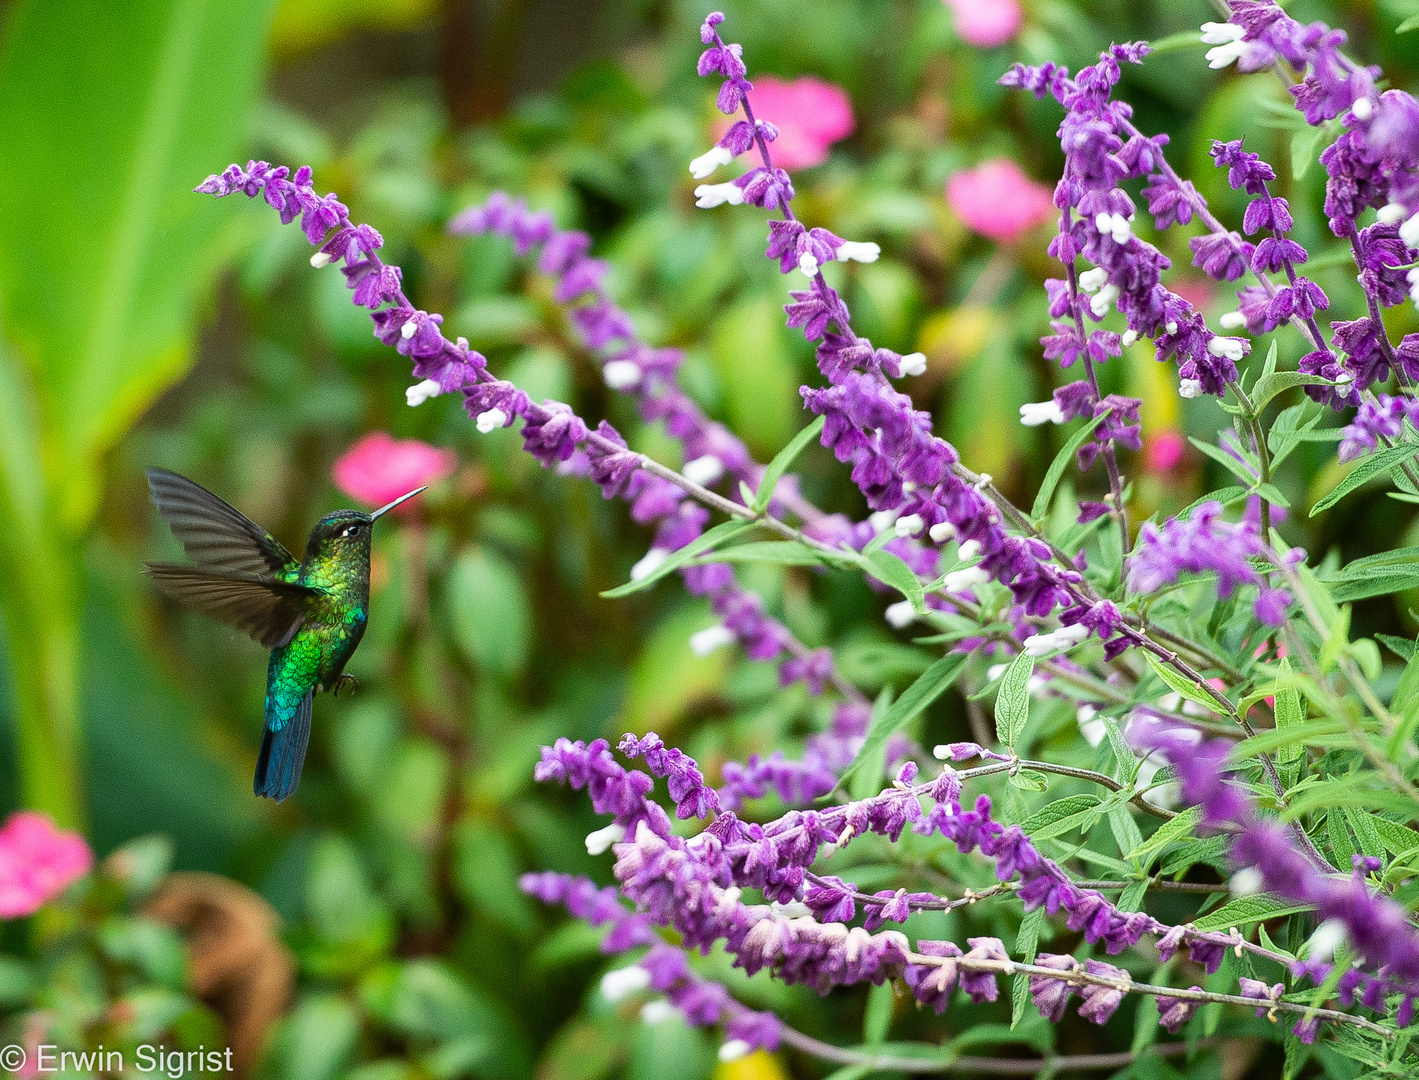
[1063, 638]
[1035, 413]
[967, 578]
[623, 982]
[600, 841]
[493, 418]
[1103, 300]
[1409, 231]
[1093, 279]
[1190, 388]
[941, 532]
[657, 1012]
[1245, 881]
[704, 642]
[858, 251]
[1233, 320]
[969, 550]
[995, 671]
[710, 160]
[734, 1049]
[1090, 726]
[794, 909]
[1114, 225]
[914, 363]
[621, 374]
[420, 392]
[1413, 278]
[1128, 337]
[808, 265]
[648, 562]
[1171, 327]
[1219, 33]
[1363, 108]
[900, 614]
[319, 259]
[708, 195]
[911, 525]
[1329, 936]
[1392, 213]
[1230, 52]
[882, 519]
[705, 469]
[1232, 348]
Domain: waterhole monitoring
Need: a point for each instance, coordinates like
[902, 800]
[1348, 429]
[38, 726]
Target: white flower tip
[1189, 388]
[1035, 413]
[704, 642]
[621, 374]
[705, 469]
[420, 392]
[657, 1012]
[1232, 348]
[648, 562]
[408, 330]
[1103, 300]
[858, 251]
[941, 532]
[900, 614]
[709, 195]
[493, 418]
[968, 550]
[1363, 108]
[1329, 936]
[808, 265]
[1090, 726]
[319, 259]
[1409, 231]
[1092, 280]
[961, 580]
[913, 364]
[734, 1049]
[623, 982]
[882, 519]
[910, 525]
[1215, 33]
[1171, 327]
[1245, 881]
[1233, 320]
[710, 160]
[600, 841]
[1228, 52]
[1128, 337]
[1392, 213]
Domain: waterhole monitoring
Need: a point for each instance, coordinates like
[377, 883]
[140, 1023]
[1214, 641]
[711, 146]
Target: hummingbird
[311, 614]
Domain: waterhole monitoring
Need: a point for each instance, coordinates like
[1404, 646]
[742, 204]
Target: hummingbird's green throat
[311, 614]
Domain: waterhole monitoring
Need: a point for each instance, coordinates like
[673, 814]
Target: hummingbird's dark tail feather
[278, 768]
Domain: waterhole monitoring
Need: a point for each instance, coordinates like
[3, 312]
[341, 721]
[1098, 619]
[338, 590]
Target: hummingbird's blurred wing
[215, 534]
[270, 611]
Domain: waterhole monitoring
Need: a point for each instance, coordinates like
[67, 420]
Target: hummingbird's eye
[352, 530]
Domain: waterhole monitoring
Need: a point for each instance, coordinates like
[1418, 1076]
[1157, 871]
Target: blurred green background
[143, 325]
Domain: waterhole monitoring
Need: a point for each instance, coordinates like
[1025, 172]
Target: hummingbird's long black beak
[390, 506]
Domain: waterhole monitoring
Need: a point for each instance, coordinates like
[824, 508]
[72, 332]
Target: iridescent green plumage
[311, 614]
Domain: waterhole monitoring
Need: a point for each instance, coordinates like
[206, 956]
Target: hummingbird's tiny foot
[344, 678]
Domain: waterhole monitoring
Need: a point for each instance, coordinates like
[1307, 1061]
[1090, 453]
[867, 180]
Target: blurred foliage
[395, 867]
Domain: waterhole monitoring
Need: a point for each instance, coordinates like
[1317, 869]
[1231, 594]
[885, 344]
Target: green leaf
[753, 354]
[1125, 761]
[1027, 942]
[1278, 382]
[1171, 831]
[932, 683]
[488, 611]
[877, 1017]
[1411, 23]
[889, 569]
[1363, 826]
[1012, 704]
[1059, 464]
[1245, 910]
[706, 541]
[1080, 819]
[1395, 837]
[776, 552]
[1290, 714]
[1369, 468]
[1244, 470]
[1058, 810]
[1303, 150]
[1208, 698]
[782, 460]
[1401, 647]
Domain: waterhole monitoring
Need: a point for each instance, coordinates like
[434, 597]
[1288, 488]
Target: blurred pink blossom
[810, 115]
[378, 468]
[1197, 291]
[1163, 451]
[986, 23]
[998, 200]
[37, 862]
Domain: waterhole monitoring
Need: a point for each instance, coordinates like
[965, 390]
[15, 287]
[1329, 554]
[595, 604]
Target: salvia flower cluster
[1021, 608]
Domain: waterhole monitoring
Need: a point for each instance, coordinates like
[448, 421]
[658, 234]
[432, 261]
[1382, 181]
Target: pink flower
[37, 862]
[986, 23]
[998, 200]
[810, 115]
[1163, 452]
[378, 469]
